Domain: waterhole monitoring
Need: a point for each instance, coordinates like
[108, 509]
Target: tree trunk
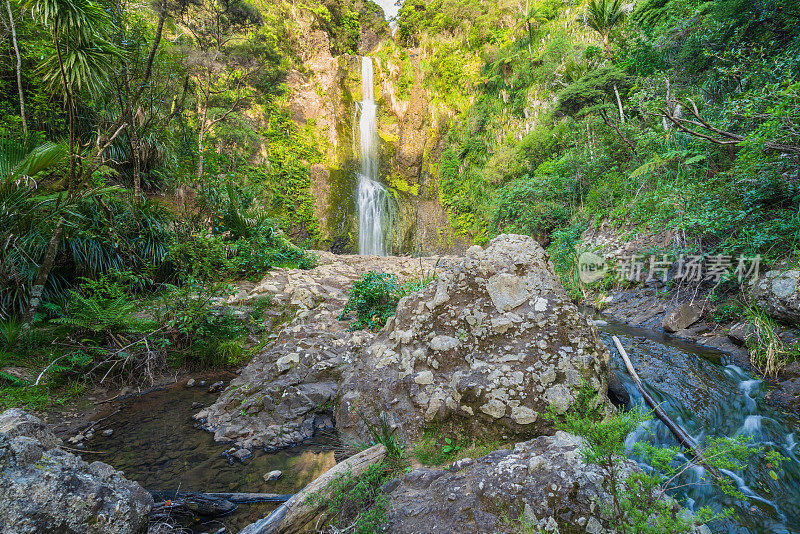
[19, 69]
[298, 511]
[137, 163]
[44, 273]
[200, 148]
[70, 111]
[677, 431]
[619, 105]
[202, 133]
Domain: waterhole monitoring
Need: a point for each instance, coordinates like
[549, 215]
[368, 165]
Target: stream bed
[155, 442]
[710, 397]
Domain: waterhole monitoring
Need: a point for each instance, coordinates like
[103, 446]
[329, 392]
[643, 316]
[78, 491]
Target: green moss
[399, 184]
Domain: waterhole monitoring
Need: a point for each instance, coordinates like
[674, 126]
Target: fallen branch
[721, 137]
[297, 512]
[680, 434]
[231, 497]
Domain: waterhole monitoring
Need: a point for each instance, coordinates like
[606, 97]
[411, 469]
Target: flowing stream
[372, 198]
[708, 396]
[155, 442]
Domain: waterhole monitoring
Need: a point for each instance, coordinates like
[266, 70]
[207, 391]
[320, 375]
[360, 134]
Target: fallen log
[159, 496]
[297, 512]
[680, 434]
[192, 504]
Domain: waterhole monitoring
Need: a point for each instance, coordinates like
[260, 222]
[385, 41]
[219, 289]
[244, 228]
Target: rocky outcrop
[46, 489]
[541, 485]
[778, 293]
[490, 346]
[287, 391]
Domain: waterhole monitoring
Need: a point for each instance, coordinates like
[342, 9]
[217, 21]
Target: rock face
[45, 489]
[679, 318]
[778, 292]
[489, 346]
[287, 391]
[544, 481]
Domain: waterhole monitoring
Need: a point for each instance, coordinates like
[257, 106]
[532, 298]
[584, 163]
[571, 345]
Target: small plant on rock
[373, 299]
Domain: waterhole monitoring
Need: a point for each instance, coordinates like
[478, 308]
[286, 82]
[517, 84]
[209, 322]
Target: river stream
[710, 397]
[155, 442]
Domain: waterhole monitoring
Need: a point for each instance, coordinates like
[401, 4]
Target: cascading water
[372, 198]
[708, 399]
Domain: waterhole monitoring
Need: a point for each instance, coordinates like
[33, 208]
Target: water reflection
[155, 443]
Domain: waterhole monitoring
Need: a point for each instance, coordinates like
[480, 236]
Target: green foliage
[531, 206]
[10, 332]
[438, 446]
[199, 333]
[356, 503]
[768, 353]
[101, 309]
[374, 299]
[383, 432]
[564, 250]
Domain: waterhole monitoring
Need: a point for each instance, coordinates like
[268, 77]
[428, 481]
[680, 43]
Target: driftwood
[187, 503]
[297, 512]
[231, 497]
[680, 434]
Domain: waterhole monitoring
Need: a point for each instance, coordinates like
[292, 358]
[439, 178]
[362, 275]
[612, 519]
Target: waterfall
[372, 198]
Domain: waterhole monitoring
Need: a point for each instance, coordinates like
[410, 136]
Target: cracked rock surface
[46, 489]
[287, 391]
[490, 345]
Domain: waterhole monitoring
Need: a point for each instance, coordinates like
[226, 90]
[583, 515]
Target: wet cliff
[411, 129]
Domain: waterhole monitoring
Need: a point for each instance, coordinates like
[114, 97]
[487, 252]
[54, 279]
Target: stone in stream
[681, 317]
[489, 347]
[273, 475]
[46, 489]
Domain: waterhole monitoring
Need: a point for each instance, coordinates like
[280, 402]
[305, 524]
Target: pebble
[190, 383]
[241, 454]
[108, 432]
[273, 475]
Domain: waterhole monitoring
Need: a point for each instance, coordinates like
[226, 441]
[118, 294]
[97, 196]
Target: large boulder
[544, 482]
[286, 393]
[489, 346]
[46, 489]
[778, 293]
[681, 317]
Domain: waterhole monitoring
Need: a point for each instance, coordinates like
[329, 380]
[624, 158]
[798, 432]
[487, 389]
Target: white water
[372, 198]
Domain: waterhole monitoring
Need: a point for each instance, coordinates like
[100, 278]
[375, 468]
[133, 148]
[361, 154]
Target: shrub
[374, 299]
[768, 353]
[102, 309]
[196, 330]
